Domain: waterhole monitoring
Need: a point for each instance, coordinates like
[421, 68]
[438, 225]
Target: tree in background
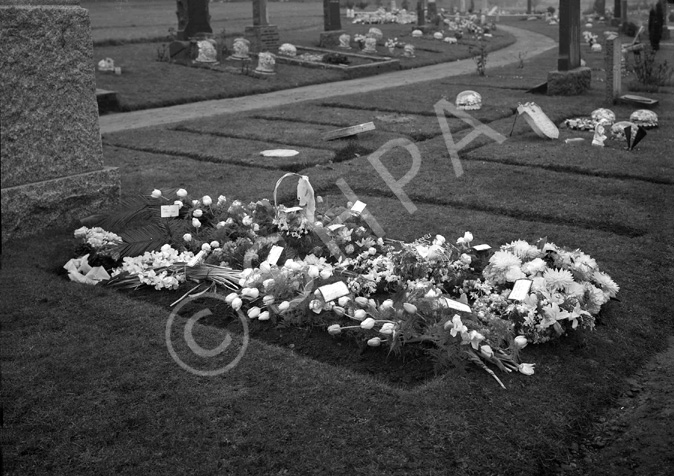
[656, 21]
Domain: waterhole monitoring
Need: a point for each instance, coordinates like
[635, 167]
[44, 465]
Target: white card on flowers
[358, 207]
[168, 211]
[274, 254]
[333, 291]
[456, 305]
[520, 290]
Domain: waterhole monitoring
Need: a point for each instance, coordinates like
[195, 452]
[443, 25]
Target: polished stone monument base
[262, 38]
[330, 39]
[59, 202]
[569, 83]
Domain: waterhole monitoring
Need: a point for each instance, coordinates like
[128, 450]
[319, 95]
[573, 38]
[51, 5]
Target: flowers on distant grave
[590, 38]
[392, 43]
[381, 16]
[287, 49]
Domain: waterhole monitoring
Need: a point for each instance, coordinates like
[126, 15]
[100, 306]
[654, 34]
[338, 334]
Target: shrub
[649, 72]
[630, 28]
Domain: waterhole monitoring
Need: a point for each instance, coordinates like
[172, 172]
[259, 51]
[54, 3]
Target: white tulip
[521, 342]
[264, 316]
[526, 369]
[182, 193]
[334, 329]
[374, 342]
[367, 323]
[230, 297]
[156, 193]
[206, 200]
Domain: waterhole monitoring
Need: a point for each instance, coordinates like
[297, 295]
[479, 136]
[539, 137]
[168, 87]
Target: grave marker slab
[50, 143]
[612, 66]
[421, 13]
[570, 78]
[193, 19]
[332, 24]
[262, 35]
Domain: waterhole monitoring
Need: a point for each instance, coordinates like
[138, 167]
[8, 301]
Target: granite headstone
[50, 142]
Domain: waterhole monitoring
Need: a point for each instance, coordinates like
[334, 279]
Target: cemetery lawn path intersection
[531, 42]
[634, 435]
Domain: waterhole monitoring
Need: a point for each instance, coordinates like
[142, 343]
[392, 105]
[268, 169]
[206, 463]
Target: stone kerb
[52, 159]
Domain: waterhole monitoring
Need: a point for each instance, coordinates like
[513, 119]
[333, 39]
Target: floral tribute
[317, 264]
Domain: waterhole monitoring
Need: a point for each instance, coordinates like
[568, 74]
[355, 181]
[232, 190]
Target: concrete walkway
[532, 43]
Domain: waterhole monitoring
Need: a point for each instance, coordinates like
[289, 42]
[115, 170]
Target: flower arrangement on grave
[392, 44]
[318, 264]
[381, 16]
[360, 40]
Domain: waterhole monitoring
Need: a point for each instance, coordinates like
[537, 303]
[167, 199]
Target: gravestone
[262, 35]
[432, 9]
[617, 15]
[600, 7]
[529, 7]
[50, 143]
[666, 33]
[623, 12]
[332, 24]
[612, 66]
[421, 14]
[462, 7]
[194, 19]
[570, 78]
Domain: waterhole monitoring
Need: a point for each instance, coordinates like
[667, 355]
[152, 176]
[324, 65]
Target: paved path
[532, 43]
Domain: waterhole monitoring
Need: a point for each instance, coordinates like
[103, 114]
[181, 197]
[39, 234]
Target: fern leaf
[139, 240]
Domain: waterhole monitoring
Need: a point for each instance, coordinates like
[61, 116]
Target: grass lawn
[89, 387]
[146, 82]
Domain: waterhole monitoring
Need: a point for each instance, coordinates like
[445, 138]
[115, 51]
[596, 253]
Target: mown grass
[90, 387]
[146, 82]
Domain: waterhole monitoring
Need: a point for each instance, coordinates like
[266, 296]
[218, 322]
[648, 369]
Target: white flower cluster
[100, 240]
[567, 287]
[157, 268]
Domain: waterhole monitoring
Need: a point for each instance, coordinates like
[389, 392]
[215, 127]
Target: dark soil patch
[409, 369]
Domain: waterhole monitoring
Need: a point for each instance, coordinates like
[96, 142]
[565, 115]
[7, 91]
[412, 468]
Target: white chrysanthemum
[513, 274]
[503, 260]
[522, 249]
[557, 278]
[534, 267]
[596, 298]
[575, 290]
[605, 282]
